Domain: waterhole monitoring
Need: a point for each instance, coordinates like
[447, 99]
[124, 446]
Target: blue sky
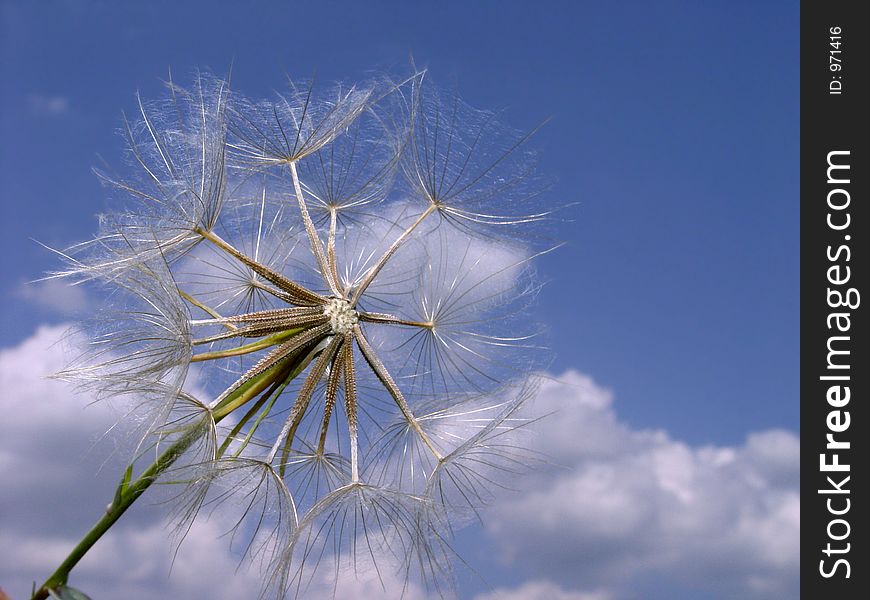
[674, 128]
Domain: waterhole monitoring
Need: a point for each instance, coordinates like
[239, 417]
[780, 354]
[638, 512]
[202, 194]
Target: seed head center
[342, 317]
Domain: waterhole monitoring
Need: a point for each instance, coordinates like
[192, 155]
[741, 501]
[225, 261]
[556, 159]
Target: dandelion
[321, 308]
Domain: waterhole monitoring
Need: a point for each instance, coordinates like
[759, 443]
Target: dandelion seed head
[346, 273]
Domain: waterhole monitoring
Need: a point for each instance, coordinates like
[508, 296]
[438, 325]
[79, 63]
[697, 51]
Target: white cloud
[57, 296]
[541, 590]
[133, 561]
[632, 507]
[55, 483]
[53, 490]
[635, 504]
[365, 583]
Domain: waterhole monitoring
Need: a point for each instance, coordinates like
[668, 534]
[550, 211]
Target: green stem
[122, 502]
[266, 342]
[127, 492]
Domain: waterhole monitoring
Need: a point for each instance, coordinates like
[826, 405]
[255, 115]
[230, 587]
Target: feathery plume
[343, 272]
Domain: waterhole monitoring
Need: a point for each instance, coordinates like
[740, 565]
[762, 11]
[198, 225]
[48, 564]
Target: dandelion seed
[366, 340]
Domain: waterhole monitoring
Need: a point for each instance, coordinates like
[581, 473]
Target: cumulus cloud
[542, 590]
[55, 482]
[56, 479]
[133, 561]
[628, 513]
[56, 296]
[636, 504]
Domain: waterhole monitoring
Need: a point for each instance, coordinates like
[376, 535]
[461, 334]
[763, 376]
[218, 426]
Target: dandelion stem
[272, 398]
[302, 400]
[267, 364]
[372, 273]
[393, 320]
[261, 316]
[294, 372]
[313, 238]
[266, 342]
[128, 492]
[247, 417]
[264, 327]
[388, 382]
[298, 293]
[122, 502]
[331, 394]
[205, 308]
[330, 248]
[350, 407]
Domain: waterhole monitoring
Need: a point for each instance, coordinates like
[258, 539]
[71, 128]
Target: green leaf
[122, 487]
